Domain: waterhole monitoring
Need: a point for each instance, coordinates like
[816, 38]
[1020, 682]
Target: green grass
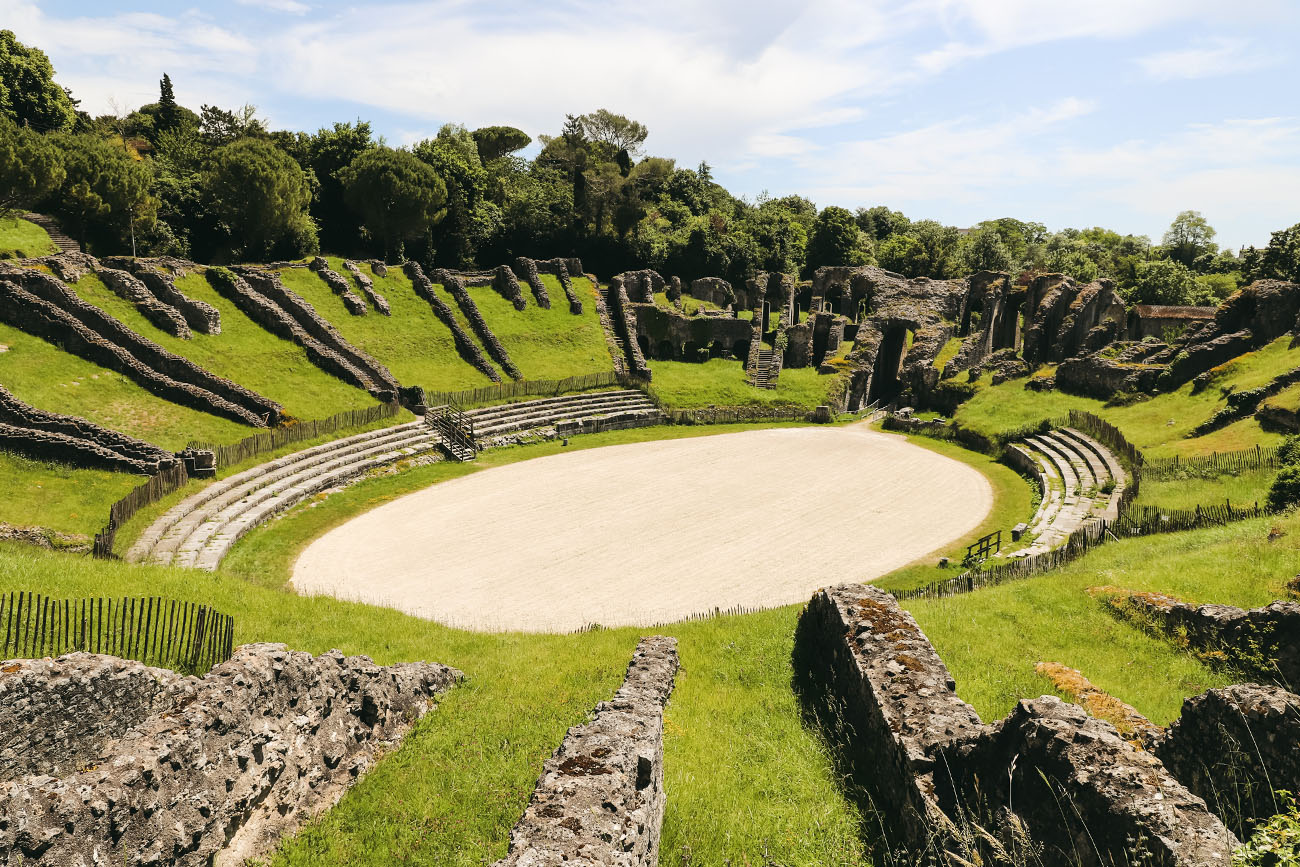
[547, 344]
[722, 382]
[1241, 490]
[947, 354]
[49, 378]
[20, 239]
[243, 352]
[57, 496]
[690, 306]
[1158, 426]
[413, 343]
[991, 639]
[1014, 500]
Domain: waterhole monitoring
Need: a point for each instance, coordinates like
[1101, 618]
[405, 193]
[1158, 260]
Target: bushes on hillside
[1284, 493]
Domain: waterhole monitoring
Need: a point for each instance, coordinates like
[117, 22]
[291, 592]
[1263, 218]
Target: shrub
[1276, 843]
[1284, 493]
[1289, 452]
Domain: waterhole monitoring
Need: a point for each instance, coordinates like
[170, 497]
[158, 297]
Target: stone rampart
[526, 270]
[600, 799]
[465, 346]
[453, 284]
[41, 318]
[626, 322]
[367, 287]
[955, 790]
[564, 269]
[200, 315]
[198, 769]
[354, 303]
[1234, 747]
[612, 342]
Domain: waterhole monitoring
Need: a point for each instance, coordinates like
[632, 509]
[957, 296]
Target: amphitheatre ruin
[370, 549]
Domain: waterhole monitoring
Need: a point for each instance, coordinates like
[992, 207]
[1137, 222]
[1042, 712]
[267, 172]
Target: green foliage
[472, 218]
[615, 132]
[397, 195]
[1284, 493]
[219, 126]
[495, 142]
[30, 166]
[105, 190]
[984, 250]
[20, 239]
[1280, 260]
[1213, 289]
[837, 240]
[1164, 281]
[880, 222]
[1289, 452]
[1189, 237]
[260, 195]
[28, 94]
[1276, 843]
[928, 249]
[169, 115]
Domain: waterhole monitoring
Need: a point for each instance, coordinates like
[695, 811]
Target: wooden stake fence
[228, 455]
[185, 636]
[1216, 464]
[524, 388]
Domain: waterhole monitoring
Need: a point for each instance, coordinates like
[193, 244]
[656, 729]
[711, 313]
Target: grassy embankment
[20, 239]
[722, 382]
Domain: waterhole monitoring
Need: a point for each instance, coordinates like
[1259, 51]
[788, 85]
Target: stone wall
[713, 290]
[453, 284]
[465, 346]
[952, 789]
[600, 798]
[612, 342]
[626, 324]
[367, 287]
[683, 334]
[1234, 747]
[526, 270]
[274, 318]
[75, 440]
[76, 329]
[1063, 315]
[201, 768]
[563, 269]
[1263, 642]
[354, 303]
[129, 288]
[200, 315]
[641, 286]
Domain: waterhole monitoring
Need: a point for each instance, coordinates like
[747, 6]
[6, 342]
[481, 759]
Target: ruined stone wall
[219, 766]
[526, 270]
[612, 342]
[500, 279]
[600, 798]
[626, 323]
[659, 325]
[354, 303]
[75, 440]
[1234, 747]
[563, 269]
[641, 286]
[936, 772]
[382, 384]
[495, 349]
[367, 287]
[465, 346]
[713, 290]
[162, 316]
[200, 315]
[1063, 315]
[66, 328]
[274, 318]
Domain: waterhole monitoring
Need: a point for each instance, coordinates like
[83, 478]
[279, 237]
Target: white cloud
[291, 6]
[1208, 58]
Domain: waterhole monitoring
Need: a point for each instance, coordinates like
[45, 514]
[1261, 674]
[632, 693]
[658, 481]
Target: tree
[260, 195]
[398, 195]
[221, 127]
[105, 192]
[616, 131]
[495, 142]
[1280, 260]
[28, 94]
[30, 166]
[1189, 236]
[880, 222]
[837, 240]
[939, 242]
[472, 219]
[984, 250]
[326, 153]
[1163, 281]
[903, 254]
[169, 116]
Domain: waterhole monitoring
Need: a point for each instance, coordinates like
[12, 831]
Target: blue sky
[1072, 112]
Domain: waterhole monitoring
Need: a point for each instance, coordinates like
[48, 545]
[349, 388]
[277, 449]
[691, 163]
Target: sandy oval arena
[651, 532]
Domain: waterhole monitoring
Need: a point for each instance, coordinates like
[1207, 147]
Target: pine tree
[169, 114]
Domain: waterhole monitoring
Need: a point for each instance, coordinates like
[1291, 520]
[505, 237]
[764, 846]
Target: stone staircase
[61, 240]
[765, 371]
[1085, 482]
[199, 531]
[512, 417]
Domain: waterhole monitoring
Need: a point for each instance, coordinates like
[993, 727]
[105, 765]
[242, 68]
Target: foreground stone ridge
[600, 799]
[196, 768]
[957, 791]
[1234, 747]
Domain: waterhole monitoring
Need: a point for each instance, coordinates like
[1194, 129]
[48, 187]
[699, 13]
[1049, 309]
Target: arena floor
[651, 532]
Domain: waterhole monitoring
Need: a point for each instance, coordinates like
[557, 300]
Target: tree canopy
[260, 195]
[31, 165]
[398, 195]
[28, 93]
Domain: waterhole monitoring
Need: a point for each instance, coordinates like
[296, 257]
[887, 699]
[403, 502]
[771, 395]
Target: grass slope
[1159, 425]
[413, 343]
[722, 382]
[20, 239]
[547, 344]
[243, 352]
[57, 496]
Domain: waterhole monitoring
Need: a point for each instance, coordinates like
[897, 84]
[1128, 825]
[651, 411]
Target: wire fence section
[524, 388]
[185, 636]
[228, 455]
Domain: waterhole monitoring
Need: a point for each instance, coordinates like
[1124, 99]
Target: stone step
[541, 418]
[1070, 450]
[487, 412]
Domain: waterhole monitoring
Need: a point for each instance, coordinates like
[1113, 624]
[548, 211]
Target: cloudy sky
[1072, 112]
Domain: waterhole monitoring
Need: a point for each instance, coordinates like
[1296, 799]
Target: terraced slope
[412, 341]
[243, 352]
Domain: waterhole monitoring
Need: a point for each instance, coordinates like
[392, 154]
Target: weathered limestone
[526, 270]
[713, 290]
[575, 411]
[74, 440]
[955, 790]
[624, 321]
[354, 303]
[600, 798]
[502, 281]
[465, 346]
[1234, 747]
[367, 287]
[196, 769]
[43, 306]
[126, 286]
[453, 284]
[1065, 316]
[157, 276]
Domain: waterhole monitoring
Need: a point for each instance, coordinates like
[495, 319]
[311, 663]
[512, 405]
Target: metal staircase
[455, 431]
